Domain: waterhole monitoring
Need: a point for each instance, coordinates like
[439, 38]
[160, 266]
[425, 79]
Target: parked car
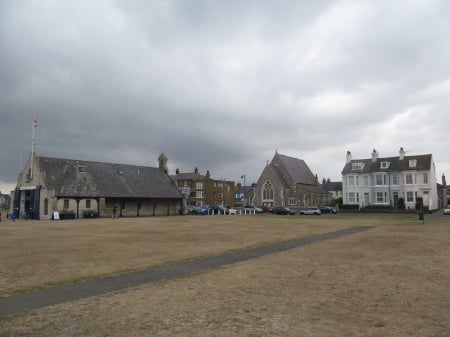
[220, 209]
[230, 210]
[227, 210]
[223, 210]
[191, 210]
[283, 211]
[267, 209]
[216, 209]
[256, 209]
[202, 210]
[447, 210]
[310, 211]
[328, 209]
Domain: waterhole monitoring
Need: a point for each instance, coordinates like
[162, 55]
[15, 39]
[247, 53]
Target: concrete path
[16, 304]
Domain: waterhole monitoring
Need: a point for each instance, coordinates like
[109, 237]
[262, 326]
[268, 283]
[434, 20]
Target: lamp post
[243, 177]
[223, 190]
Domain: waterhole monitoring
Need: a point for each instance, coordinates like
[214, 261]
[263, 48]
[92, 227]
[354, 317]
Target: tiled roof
[423, 162]
[72, 178]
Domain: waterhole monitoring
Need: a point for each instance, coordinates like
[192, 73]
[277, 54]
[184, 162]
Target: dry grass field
[392, 280]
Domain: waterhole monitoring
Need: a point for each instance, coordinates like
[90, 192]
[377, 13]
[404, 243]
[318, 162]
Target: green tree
[401, 203]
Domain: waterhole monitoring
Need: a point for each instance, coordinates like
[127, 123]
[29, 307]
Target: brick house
[199, 189]
[288, 181]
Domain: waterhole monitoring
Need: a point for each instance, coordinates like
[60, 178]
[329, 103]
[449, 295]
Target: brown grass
[390, 281]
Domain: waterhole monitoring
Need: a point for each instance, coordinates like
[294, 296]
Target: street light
[243, 177]
[223, 191]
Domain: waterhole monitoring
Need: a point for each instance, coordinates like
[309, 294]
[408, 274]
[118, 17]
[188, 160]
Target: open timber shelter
[77, 188]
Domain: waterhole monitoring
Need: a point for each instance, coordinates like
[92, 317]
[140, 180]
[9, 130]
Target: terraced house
[201, 189]
[390, 181]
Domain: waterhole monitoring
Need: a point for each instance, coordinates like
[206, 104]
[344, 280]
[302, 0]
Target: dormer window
[357, 166]
[384, 164]
[412, 162]
[81, 169]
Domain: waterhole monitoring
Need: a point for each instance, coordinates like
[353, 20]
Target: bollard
[422, 217]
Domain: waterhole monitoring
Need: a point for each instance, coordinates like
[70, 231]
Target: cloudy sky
[221, 84]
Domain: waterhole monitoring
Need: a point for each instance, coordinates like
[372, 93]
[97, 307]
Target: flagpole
[32, 147]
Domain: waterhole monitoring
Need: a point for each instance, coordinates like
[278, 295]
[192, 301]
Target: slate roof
[298, 170]
[424, 162]
[290, 170]
[105, 179]
[316, 189]
[333, 186]
[276, 172]
[188, 176]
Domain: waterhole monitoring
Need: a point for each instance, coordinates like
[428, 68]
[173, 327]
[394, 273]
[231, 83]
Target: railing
[242, 211]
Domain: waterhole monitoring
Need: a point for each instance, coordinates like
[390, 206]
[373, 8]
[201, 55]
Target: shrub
[348, 206]
[338, 201]
[419, 204]
[378, 207]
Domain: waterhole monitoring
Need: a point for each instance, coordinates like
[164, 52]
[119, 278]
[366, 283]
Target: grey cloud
[221, 85]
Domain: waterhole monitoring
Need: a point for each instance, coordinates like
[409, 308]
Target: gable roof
[275, 171]
[423, 162]
[298, 170]
[79, 178]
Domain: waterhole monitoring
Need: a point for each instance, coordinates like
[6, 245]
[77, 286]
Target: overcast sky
[222, 84]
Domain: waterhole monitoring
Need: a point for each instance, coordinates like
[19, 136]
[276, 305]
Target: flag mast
[33, 141]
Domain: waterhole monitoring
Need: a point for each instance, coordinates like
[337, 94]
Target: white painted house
[383, 181]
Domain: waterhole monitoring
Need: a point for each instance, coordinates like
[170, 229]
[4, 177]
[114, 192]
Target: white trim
[26, 188]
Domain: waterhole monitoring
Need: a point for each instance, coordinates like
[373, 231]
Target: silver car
[447, 210]
[310, 211]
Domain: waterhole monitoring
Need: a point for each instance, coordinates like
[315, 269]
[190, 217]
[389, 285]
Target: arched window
[46, 206]
[267, 192]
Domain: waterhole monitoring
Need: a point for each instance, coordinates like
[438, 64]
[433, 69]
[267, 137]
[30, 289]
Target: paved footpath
[16, 304]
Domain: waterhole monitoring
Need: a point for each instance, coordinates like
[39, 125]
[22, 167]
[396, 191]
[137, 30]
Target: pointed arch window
[267, 191]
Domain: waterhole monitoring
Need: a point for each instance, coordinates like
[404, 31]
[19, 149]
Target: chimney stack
[349, 157]
[402, 153]
[374, 155]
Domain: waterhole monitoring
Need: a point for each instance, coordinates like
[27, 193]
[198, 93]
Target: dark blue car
[202, 210]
